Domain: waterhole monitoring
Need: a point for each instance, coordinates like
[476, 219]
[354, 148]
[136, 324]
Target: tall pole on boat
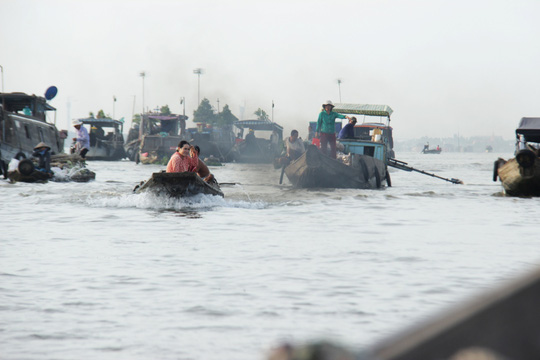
[143, 75]
[183, 102]
[339, 87]
[2, 68]
[114, 103]
[198, 71]
[272, 110]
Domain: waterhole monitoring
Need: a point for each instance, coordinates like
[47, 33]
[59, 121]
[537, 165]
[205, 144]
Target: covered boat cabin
[159, 135]
[372, 138]
[106, 139]
[254, 148]
[23, 124]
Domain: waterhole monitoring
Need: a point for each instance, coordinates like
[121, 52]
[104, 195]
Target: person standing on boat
[82, 141]
[326, 128]
[294, 145]
[348, 130]
[186, 159]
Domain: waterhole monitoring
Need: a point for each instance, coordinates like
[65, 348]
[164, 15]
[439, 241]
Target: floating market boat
[177, 185]
[427, 150]
[364, 164]
[316, 170]
[254, 148]
[106, 139]
[157, 138]
[520, 176]
[23, 124]
[70, 167]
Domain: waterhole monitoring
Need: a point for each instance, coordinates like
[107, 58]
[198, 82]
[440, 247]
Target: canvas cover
[363, 109]
[530, 128]
[101, 121]
[258, 125]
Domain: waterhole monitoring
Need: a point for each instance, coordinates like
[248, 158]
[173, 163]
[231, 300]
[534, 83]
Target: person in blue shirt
[348, 130]
[326, 128]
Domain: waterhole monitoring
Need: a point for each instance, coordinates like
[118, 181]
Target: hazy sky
[443, 66]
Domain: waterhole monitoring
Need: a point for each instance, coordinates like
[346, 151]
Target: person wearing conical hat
[42, 151]
[326, 128]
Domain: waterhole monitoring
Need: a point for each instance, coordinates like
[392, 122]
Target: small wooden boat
[178, 185]
[520, 176]
[72, 164]
[315, 170]
[427, 150]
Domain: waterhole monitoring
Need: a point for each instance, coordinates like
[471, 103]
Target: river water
[92, 271]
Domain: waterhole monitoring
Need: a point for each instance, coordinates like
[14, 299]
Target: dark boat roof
[530, 128]
[258, 125]
[167, 117]
[19, 100]
[101, 121]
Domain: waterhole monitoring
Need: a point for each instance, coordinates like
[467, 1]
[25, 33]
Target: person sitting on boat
[294, 146]
[42, 151]
[326, 128]
[185, 159]
[82, 141]
[348, 130]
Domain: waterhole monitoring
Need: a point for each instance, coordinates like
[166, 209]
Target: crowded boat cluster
[356, 155]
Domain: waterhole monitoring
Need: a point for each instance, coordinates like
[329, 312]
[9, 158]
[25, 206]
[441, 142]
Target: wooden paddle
[282, 172]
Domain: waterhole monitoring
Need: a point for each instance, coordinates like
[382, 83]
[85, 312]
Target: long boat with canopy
[364, 165]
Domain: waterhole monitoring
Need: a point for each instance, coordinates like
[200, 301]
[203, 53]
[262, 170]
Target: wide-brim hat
[328, 102]
[76, 122]
[42, 145]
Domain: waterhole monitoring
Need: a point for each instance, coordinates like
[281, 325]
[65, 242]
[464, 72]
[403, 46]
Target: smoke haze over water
[444, 67]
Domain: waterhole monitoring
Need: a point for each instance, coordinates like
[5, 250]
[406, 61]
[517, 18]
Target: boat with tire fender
[364, 163]
[520, 176]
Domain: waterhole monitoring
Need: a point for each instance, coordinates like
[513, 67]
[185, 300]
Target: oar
[282, 172]
[402, 165]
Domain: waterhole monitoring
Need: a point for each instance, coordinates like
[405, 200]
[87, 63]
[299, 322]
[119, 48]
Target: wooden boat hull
[431, 151]
[178, 185]
[316, 170]
[518, 180]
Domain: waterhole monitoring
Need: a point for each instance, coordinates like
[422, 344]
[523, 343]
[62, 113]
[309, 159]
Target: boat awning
[363, 109]
[101, 121]
[258, 125]
[530, 128]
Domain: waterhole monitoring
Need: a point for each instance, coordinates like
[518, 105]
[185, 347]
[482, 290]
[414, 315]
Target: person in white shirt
[82, 140]
[294, 145]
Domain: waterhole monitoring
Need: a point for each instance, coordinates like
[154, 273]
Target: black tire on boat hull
[26, 167]
[495, 170]
[377, 179]
[365, 170]
[20, 155]
[388, 180]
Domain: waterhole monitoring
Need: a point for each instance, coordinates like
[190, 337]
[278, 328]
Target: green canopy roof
[363, 109]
